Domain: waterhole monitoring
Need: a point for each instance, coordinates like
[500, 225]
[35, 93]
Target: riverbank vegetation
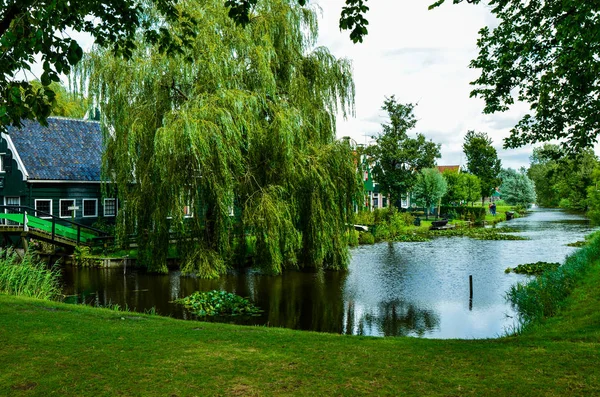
[25, 276]
[543, 296]
[389, 224]
[50, 347]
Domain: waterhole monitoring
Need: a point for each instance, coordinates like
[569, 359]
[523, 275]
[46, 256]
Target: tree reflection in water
[395, 318]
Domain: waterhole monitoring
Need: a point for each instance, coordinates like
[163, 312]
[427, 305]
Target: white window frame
[72, 213]
[37, 209]
[7, 222]
[83, 208]
[104, 207]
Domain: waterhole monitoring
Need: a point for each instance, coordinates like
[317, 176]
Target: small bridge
[19, 221]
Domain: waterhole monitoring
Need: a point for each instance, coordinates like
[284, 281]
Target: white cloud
[422, 57]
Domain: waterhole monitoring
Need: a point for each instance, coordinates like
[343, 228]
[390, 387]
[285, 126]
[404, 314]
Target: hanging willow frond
[244, 119]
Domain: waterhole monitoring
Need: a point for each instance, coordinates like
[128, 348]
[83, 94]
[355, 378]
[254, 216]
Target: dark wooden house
[56, 169]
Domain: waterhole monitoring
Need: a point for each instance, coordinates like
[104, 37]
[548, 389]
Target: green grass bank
[51, 348]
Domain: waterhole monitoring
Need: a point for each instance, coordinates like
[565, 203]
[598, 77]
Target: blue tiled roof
[67, 150]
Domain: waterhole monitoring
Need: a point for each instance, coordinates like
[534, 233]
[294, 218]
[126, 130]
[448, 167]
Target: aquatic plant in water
[531, 269]
[218, 303]
[478, 233]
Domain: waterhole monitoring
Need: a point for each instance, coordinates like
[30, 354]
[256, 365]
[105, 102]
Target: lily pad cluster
[533, 269]
[218, 303]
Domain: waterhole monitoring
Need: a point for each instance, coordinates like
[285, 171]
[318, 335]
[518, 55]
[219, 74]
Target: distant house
[375, 199]
[55, 169]
[497, 195]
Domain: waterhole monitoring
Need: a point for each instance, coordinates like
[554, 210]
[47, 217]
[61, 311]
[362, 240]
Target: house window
[8, 201]
[5, 162]
[90, 207]
[375, 200]
[45, 206]
[65, 212]
[110, 207]
[187, 211]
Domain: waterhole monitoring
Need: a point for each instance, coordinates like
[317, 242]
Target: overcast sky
[421, 57]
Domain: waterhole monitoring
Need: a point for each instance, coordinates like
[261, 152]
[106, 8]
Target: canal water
[391, 289]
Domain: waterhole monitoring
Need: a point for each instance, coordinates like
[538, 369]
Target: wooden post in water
[470, 292]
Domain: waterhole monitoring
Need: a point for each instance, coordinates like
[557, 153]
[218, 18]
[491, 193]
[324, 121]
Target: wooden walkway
[18, 222]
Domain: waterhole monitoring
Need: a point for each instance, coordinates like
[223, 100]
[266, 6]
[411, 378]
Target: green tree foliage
[398, 158]
[482, 160]
[352, 16]
[547, 53]
[244, 120]
[542, 170]
[517, 188]
[456, 188]
[593, 192]
[472, 187]
[430, 187]
[462, 187]
[65, 103]
[39, 27]
[561, 178]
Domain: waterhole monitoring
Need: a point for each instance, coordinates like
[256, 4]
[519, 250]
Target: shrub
[452, 214]
[27, 277]
[564, 203]
[473, 214]
[381, 231]
[366, 238]
[381, 215]
[364, 218]
[84, 258]
[353, 238]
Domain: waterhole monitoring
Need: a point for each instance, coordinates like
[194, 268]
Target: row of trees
[564, 180]
[403, 164]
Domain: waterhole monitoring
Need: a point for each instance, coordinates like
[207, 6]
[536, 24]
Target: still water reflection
[390, 289]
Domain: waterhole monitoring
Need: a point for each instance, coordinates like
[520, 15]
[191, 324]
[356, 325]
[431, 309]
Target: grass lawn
[49, 348]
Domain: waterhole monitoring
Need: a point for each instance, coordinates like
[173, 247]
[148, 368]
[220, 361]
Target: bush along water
[218, 303]
[27, 277]
[543, 296]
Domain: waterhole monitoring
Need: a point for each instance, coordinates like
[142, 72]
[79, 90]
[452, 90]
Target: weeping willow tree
[241, 120]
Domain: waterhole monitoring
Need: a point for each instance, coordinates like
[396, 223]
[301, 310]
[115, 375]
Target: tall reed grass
[27, 276]
[543, 296]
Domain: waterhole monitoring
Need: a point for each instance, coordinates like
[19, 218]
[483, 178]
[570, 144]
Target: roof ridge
[73, 119]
